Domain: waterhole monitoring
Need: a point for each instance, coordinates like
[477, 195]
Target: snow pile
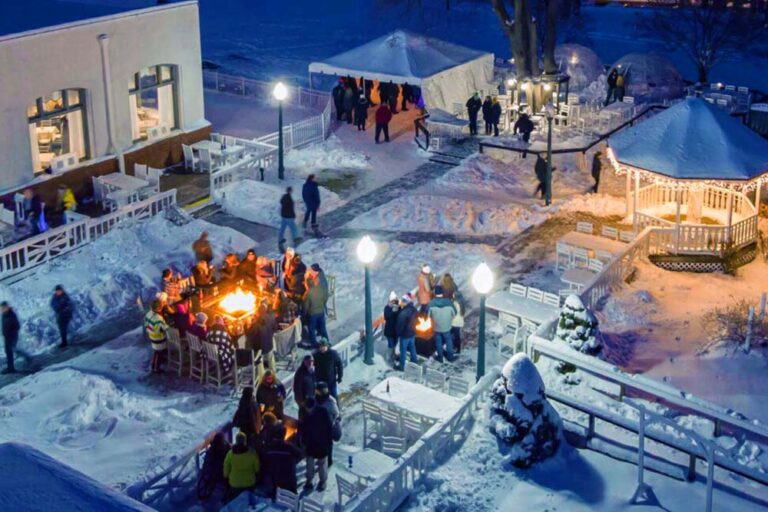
[329, 154]
[521, 415]
[578, 327]
[436, 214]
[105, 277]
[483, 174]
[582, 65]
[601, 205]
[34, 481]
[259, 201]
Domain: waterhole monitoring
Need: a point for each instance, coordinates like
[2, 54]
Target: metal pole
[548, 193]
[280, 167]
[481, 340]
[368, 319]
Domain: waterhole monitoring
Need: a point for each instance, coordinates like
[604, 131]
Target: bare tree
[707, 35]
[523, 37]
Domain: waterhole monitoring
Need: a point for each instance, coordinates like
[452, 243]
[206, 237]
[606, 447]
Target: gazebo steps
[705, 263]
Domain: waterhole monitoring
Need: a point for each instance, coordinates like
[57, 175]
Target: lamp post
[482, 281]
[549, 110]
[366, 253]
[280, 92]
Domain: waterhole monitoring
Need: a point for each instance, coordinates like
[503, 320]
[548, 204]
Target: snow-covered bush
[578, 327]
[521, 415]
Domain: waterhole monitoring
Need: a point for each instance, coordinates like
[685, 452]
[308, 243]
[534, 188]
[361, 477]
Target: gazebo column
[730, 217]
[678, 194]
[628, 195]
[758, 191]
[636, 200]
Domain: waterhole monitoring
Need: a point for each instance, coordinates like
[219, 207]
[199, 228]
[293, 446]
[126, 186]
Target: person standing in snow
[361, 113]
[406, 330]
[202, 273]
[368, 89]
[241, 468]
[64, 309]
[310, 193]
[155, 327]
[474, 104]
[304, 383]
[597, 166]
[202, 248]
[247, 269]
[620, 82]
[314, 305]
[457, 324]
[317, 437]
[394, 92]
[525, 127]
[271, 394]
[611, 83]
[348, 103]
[328, 367]
[171, 285]
[383, 117]
[486, 109]
[407, 96]
[391, 311]
[338, 98]
[495, 115]
[442, 313]
[287, 219]
[541, 174]
[426, 282]
[11, 328]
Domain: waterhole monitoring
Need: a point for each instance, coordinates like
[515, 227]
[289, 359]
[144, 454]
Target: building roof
[693, 140]
[24, 16]
[401, 56]
[34, 481]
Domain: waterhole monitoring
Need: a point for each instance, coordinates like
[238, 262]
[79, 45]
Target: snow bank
[483, 174]
[33, 481]
[601, 205]
[106, 276]
[259, 201]
[329, 154]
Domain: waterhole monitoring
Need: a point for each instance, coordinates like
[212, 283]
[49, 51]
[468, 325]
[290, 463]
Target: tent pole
[677, 222]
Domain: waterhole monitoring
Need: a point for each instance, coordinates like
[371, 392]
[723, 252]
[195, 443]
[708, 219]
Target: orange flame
[424, 324]
[239, 301]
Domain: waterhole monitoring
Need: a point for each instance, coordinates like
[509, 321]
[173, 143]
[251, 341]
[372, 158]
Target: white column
[636, 199]
[758, 191]
[107, 77]
[678, 195]
[628, 195]
[730, 216]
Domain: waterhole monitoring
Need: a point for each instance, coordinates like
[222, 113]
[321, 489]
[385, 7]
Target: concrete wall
[36, 63]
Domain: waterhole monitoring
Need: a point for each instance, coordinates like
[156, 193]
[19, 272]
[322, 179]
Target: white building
[96, 94]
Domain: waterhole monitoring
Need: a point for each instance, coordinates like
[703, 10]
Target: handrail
[420, 126]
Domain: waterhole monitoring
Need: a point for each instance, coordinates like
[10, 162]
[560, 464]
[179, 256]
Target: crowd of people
[491, 110]
[296, 291]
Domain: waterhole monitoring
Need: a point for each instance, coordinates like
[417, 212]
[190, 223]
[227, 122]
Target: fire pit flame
[239, 301]
[424, 324]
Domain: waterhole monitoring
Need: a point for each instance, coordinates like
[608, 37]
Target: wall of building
[34, 64]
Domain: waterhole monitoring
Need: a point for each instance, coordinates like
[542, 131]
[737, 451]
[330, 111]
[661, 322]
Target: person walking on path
[495, 115]
[287, 220]
[64, 309]
[328, 367]
[525, 127]
[406, 330]
[317, 437]
[241, 468]
[474, 104]
[611, 83]
[383, 117]
[487, 115]
[310, 193]
[442, 312]
[541, 174]
[391, 311]
[361, 113]
[202, 248]
[338, 98]
[11, 328]
[597, 166]
[314, 305]
[155, 327]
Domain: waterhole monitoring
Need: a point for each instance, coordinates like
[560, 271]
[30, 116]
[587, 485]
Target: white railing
[39, 249]
[261, 90]
[389, 491]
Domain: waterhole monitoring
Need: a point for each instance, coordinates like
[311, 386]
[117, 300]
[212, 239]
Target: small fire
[424, 324]
[239, 301]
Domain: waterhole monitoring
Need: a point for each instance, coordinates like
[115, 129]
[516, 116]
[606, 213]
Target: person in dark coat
[11, 328]
[259, 337]
[202, 248]
[611, 83]
[294, 280]
[368, 90]
[338, 98]
[317, 438]
[597, 166]
[202, 273]
[407, 96]
[287, 219]
[406, 329]
[383, 93]
[304, 382]
[200, 327]
[361, 113]
[394, 92]
[33, 209]
[247, 268]
[280, 460]
[310, 193]
[348, 103]
[352, 83]
[270, 394]
[487, 115]
[229, 270]
[524, 126]
[219, 336]
[391, 311]
[246, 418]
[474, 104]
[383, 117]
[495, 115]
[328, 367]
[64, 309]
[541, 174]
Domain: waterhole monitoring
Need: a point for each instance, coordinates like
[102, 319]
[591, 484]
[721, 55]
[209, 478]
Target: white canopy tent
[446, 73]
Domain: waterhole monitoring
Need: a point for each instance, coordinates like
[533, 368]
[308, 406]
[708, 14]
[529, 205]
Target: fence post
[748, 336]
[710, 474]
[642, 487]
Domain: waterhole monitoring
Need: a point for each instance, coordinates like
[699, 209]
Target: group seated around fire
[238, 304]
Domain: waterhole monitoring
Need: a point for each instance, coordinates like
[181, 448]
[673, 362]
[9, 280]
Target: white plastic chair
[206, 162]
[346, 488]
[435, 379]
[517, 290]
[390, 423]
[564, 255]
[191, 162]
[413, 429]
[458, 387]
[372, 416]
[584, 227]
[196, 358]
[535, 294]
[610, 232]
[287, 499]
[309, 505]
[595, 266]
[393, 446]
[413, 372]
[580, 258]
[551, 299]
[176, 350]
[626, 236]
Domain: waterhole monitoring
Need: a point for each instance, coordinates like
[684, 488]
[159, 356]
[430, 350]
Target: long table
[593, 242]
[505, 302]
[415, 399]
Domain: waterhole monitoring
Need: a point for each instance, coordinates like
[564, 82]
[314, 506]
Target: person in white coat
[457, 324]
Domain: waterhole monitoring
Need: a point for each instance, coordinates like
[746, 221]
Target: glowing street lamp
[366, 253]
[549, 111]
[280, 92]
[482, 281]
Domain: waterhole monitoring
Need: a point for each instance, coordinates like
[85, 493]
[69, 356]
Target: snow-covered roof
[693, 140]
[400, 56]
[31, 480]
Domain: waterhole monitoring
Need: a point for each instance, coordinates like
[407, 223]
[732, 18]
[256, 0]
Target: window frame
[172, 81]
[65, 109]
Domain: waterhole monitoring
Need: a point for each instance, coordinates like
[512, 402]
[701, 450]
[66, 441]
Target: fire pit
[237, 304]
[425, 336]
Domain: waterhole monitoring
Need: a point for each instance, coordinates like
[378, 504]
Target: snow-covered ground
[108, 275]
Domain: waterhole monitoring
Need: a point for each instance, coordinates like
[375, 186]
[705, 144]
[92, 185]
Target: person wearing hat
[270, 394]
[324, 399]
[287, 219]
[328, 367]
[406, 329]
[247, 268]
[316, 432]
[314, 308]
[241, 467]
[361, 113]
[391, 311]
[426, 281]
[338, 98]
[64, 309]
[442, 312]
[202, 248]
[155, 327]
[304, 383]
[320, 273]
[474, 104]
[199, 328]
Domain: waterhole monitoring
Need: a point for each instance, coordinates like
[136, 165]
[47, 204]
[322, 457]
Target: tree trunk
[703, 71]
[524, 36]
[548, 50]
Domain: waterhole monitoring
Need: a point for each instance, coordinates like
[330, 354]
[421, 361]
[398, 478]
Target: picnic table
[415, 399]
[120, 181]
[535, 311]
[367, 464]
[226, 154]
[593, 242]
[577, 278]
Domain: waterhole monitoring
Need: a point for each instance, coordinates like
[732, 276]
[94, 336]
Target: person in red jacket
[383, 117]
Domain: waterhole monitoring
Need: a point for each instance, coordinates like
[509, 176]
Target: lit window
[57, 127]
[152, 99]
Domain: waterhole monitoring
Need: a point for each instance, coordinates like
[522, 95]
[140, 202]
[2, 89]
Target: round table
[758, 118]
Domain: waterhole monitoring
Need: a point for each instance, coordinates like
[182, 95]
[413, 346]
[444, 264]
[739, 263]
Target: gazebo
[690, 171]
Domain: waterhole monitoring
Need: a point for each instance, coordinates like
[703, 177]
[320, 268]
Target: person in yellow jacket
[241, 467]
[67, 202]
[155, 327]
